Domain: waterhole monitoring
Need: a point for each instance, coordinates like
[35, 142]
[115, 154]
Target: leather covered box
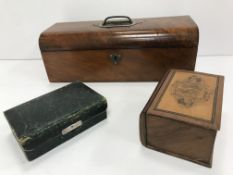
[49, 120]
[119, 48]
[183, 115]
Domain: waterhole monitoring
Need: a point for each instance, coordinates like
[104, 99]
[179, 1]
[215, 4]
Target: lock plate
[116, 58]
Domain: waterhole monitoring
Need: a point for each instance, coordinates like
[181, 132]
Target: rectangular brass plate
[72, 127]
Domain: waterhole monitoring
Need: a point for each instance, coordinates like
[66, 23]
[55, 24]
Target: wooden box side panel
[142, 128]
[180, 139]
[148, 64]
[142, 119]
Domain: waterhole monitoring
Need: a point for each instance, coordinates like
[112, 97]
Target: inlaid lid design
[190, 96]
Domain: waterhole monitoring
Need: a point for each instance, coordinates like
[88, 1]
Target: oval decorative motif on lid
[190, 91]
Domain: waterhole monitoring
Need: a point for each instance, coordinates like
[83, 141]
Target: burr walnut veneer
[119, 49]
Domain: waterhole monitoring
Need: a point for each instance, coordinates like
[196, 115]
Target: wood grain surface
[169, 128]
[82, 51]
[148, 64]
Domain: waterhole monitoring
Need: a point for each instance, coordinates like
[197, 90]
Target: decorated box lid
[191, 97]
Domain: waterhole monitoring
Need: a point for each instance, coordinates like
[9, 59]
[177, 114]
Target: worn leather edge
[59, 139]
[142, 118]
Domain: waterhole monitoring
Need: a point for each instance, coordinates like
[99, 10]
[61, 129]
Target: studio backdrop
[21, 22]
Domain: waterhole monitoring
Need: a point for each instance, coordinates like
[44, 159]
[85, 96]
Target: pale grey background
[112, 146]
[22, 21]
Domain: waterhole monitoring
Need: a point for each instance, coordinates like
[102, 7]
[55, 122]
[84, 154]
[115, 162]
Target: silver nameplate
[72, 127]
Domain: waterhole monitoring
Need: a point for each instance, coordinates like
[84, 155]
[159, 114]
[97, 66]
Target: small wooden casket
[183, 115]
[49, 120]
[119, 49]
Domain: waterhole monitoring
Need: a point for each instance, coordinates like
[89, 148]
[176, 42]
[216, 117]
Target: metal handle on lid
[111, 22]
[129, 20]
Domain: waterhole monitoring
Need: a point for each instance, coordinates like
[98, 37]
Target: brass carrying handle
[123, 21]
[129, 20]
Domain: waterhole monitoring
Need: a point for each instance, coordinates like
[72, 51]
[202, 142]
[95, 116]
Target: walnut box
[183, 115]
[119, 48]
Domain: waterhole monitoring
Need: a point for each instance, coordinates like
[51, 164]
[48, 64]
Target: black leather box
[47, 121]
